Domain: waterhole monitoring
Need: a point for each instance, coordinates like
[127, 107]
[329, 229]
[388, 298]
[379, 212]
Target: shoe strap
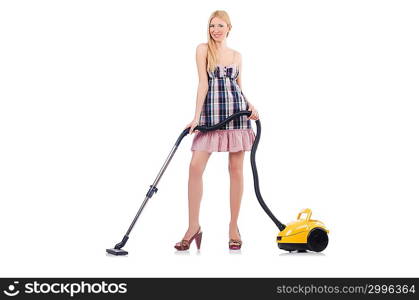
[184, 243]
[232, 241]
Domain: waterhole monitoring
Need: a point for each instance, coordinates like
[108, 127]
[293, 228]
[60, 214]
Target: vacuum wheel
[317, 240]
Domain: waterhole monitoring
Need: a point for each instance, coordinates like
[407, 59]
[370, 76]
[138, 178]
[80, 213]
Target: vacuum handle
[217, 126]
[214, 127]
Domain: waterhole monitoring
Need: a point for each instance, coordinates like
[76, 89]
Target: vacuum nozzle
[117, 250]
[114, 251]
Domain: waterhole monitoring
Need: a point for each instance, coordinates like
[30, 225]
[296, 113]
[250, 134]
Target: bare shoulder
[203, 47]
[237, 53]
[238, 56]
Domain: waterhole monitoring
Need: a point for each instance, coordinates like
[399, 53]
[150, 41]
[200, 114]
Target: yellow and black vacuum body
[301, 235]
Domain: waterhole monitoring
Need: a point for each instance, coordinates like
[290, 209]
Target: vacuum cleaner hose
[252, 158]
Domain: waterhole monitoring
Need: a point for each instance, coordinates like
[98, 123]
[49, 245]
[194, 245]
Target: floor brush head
[114, 251]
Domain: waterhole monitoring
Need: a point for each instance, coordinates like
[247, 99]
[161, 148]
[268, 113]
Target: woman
[219, 96]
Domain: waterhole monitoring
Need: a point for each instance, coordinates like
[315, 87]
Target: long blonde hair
[212, 55]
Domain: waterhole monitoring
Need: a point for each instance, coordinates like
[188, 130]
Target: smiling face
[218, 29]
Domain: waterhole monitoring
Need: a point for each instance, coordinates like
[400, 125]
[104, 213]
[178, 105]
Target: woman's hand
[254, 115]
[192, 125]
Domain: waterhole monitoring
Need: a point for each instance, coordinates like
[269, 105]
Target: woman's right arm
[201, 62]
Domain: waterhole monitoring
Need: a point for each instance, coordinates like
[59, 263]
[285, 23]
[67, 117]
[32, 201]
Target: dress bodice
[230, 71]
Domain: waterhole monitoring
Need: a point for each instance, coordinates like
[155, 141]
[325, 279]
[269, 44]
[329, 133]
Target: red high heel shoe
[234, 244]
[185, 244]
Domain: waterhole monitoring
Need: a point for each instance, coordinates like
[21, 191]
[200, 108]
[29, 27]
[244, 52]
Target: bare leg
[235, 167]
[195, 186]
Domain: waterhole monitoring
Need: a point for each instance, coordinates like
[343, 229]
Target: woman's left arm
[255, 114]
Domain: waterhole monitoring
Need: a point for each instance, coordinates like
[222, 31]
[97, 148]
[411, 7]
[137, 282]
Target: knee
[235, 169]
[196, 169]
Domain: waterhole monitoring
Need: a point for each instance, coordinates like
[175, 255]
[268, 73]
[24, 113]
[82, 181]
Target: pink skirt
[228, 140]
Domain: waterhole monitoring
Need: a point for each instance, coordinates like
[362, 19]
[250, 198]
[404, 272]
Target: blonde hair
[212, 55]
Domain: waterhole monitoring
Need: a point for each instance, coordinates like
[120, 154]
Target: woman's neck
[221, 45]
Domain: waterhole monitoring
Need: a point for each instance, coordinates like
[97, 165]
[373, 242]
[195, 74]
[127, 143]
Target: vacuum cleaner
[300, 235]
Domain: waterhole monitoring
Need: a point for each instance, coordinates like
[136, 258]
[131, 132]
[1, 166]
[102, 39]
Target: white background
[94, 95]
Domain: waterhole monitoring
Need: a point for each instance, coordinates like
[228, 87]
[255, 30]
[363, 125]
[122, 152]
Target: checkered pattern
[223, 99]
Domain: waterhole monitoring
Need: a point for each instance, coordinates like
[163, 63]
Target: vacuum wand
[117, 250]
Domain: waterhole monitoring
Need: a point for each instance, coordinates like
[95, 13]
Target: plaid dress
[224, 98]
